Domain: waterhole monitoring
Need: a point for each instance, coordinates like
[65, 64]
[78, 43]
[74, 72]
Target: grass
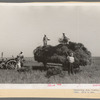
[88, 74]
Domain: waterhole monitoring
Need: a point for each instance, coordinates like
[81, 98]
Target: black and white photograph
[49, 43]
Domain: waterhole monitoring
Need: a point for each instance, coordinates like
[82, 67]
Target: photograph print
[43, 44]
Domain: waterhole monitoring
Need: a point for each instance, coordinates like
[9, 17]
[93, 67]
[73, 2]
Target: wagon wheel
[11, 64]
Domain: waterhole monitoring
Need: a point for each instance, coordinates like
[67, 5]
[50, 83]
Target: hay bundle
[59, 53]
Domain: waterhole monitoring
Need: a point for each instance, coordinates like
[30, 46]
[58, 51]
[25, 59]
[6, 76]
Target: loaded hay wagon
[58, 54]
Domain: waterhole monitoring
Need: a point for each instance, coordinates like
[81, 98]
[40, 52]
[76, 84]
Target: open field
[88, 74]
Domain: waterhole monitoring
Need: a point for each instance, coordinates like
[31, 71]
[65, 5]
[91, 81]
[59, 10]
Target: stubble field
[35, 75]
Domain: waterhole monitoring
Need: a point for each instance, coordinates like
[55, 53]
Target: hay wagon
[54, 69]
[60, 68]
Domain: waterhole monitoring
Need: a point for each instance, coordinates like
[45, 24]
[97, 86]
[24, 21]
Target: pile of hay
[59, 53]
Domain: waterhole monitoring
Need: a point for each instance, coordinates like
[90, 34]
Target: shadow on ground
[41, 68]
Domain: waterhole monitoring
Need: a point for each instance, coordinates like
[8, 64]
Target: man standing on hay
[65, 39]
[45, 39]
[70, 63]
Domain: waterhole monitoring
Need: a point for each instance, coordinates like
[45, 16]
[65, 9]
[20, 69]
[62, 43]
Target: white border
[49, 86]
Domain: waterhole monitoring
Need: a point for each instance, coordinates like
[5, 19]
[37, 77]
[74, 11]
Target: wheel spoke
[11, 64]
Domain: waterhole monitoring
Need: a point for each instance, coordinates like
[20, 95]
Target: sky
[22, 27]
